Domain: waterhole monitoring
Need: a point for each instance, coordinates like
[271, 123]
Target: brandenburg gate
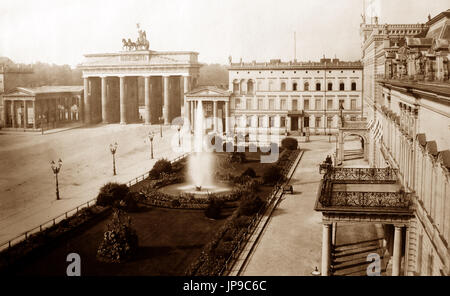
[115, 83]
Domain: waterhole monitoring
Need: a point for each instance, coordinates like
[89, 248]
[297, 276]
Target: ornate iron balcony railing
[369, 199]
[362, 175]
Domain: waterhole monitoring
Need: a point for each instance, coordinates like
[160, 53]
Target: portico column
[227, 120]
[192, 115]
[87, 103]
[104, 102]
[5, 113]
[397, 256]
[326, 249]
[215, 116]
[185, 90]
[25, 114]
[13, 113]
[123, 105]
[166, 99]
[147, 99]
[34, 115]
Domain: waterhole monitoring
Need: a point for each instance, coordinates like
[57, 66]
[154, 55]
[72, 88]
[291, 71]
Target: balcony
[362, 191]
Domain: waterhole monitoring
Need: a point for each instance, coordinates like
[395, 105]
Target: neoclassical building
[116, 84]
[294, 97]
[31, 108]
[407, 190]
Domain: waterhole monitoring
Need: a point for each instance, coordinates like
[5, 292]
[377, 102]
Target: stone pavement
[27, 183]
[291, 243]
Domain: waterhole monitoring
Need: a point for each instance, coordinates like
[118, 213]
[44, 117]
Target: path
[291, 243]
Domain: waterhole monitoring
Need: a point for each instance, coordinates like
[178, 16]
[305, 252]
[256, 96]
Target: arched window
[250, 87]
[306, 86]
[341, 86]
[283, 86]
[294, 86]
[318, 86]
[330, 86]
[353, 85]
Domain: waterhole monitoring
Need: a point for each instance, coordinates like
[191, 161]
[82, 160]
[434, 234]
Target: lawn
[168, 241]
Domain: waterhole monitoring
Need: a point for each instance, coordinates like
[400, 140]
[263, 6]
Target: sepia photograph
[238, 140]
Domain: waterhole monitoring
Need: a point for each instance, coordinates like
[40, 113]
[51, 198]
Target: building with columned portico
[115, 84]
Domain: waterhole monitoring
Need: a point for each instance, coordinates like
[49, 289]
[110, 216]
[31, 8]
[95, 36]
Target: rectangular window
[353, 104]
[260, 104]
[329, 104]
[249, 104]
[318, 104]
[282, 121]
[341, 103]
[306, 105]
[317, 121]
[272, 121]
[283, 105]
[329, 122]
[294, 105]
[261, 121]
[237, 103]
[271, 104]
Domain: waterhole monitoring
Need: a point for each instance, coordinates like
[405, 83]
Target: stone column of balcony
[326, 249]
[105, 116]
[397, 256]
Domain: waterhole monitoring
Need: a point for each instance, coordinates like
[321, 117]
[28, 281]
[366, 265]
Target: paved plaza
[27, 183]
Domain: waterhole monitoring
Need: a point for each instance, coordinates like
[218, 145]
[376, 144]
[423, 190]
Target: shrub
[161, 166]
[224, 249]
[130, 202]
[214, 209]
[120, 241]
[249, 172]
[238, 157]
[176, 203]
[111, 194]
[272, 174]
[230, 235]
[289, 143]
[250, 205]
[242, 221]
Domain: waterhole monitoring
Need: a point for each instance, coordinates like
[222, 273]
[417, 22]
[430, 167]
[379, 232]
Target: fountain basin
[189, 188]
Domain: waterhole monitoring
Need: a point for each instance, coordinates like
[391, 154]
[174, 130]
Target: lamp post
[150, 137]
[113, 149]
[56, 167]
[179, 135]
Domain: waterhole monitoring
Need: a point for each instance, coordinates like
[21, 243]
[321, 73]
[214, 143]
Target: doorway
[294, 123]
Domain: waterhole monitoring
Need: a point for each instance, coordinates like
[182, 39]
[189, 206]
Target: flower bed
[233, 235]
[50, 236]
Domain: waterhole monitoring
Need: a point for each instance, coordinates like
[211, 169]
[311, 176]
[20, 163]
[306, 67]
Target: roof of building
[50, 89]
[277, 64]
[431, 147]
[439, 17]
[209, 91]
[441, 89]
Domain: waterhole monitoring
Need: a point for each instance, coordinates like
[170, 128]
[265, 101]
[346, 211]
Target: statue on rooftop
[141, 43]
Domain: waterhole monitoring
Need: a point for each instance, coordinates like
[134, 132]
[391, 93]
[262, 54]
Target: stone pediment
[208, 91]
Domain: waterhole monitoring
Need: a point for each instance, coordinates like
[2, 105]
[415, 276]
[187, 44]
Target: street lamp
[150, 137]
[113, 149]
[179, 135]
[56, 167]
[315, 272]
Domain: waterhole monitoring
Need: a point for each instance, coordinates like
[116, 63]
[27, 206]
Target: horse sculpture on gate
[141, 43]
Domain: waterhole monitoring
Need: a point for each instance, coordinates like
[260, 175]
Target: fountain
[200, 180]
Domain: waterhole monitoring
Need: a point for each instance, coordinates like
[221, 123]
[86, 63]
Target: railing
[65, 215]
[370, 199]
[273, 198]
[363, 175]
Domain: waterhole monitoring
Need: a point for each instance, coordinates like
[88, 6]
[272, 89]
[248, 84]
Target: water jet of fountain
[200, 163]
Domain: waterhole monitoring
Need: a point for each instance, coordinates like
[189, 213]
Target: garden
[143, 230]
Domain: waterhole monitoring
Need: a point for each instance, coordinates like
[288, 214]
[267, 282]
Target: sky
[62, 31]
